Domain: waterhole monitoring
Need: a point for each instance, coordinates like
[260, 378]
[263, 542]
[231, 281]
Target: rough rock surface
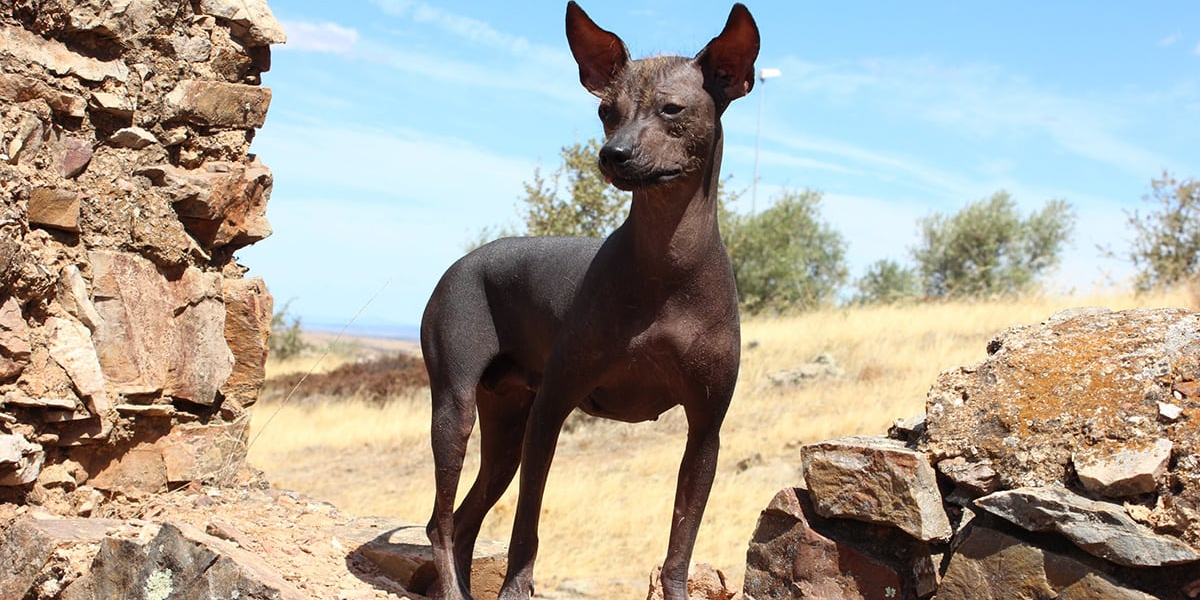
[878, 480]
[125, 187]
[1083, 385]
[1066, 468]
[244, 540]
[797, 553]
[1118, 470]
[1099, 528]
[705, 582]
[990, 564]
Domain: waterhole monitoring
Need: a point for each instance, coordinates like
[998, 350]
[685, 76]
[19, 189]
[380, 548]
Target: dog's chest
[660, 367]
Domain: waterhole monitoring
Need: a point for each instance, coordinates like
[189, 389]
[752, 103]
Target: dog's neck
[673, 228]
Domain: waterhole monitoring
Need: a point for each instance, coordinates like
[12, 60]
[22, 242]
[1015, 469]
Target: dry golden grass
[306, 363]
[608, 501]
[328, 351]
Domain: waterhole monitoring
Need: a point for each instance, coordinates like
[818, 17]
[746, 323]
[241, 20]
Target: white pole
[763, 76]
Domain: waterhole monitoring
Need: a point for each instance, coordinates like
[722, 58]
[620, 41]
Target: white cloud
[559, 84]
[472, 30]
[509, 62]
[881, 165]
[1170, 39]
[319, 37]
[984, 101]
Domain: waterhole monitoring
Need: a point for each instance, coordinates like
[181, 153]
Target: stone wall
[1062, 466]
[130, 342]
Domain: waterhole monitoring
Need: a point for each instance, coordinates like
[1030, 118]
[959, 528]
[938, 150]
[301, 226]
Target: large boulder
[1079, 401]
[1064, 466]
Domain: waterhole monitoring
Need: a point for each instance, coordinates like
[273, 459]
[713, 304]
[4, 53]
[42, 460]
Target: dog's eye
[671, 109]
[606, 112]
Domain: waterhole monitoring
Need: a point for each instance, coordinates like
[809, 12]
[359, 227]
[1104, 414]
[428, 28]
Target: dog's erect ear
[601, 54]
[728, 60]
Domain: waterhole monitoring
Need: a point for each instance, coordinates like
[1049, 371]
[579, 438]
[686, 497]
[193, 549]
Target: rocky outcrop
[163, 561]
[130, 343]
[1062, 466]
[207, 542]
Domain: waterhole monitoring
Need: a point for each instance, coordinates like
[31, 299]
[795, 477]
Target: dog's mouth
[631, 181]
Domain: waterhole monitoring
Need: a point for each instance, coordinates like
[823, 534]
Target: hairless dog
[524, 330]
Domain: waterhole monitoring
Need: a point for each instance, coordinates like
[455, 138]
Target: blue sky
[399, 129]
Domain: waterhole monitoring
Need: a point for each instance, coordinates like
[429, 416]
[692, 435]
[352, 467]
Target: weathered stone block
[209, 453]
[878, 480]
[17, 88]
[252, 16]
[183, 563]
[14, 340]
[74, 298]
[36, 550]
[117, 19]
[218, 104]
[54, 207]
[402, 553]
[991, 564]
[977, 478]
[20, 460]
[249, 308]
[134, 138]
[222, 204]
[55, 57]
[705, 582]
[140, 469]
[201, 361]
[1073, 385]
[118, 105]
[75, 156]
[71, 347]
[1096, 371]
[158, 334]
[1099, 528]
[1118, 469]
[796, 553]
[27, 138]
[136, 308]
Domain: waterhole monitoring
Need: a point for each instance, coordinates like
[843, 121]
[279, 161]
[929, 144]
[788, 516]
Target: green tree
[1166, 244]
[286, 339]
[887, 282]
[785, 258]
[988, 249]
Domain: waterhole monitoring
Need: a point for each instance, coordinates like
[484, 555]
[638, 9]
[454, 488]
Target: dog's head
[661, 114]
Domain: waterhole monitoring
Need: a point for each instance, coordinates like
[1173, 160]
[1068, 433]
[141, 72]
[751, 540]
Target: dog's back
[507, 297]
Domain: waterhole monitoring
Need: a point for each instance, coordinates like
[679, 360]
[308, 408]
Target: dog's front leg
[549, 411]
[696, 472]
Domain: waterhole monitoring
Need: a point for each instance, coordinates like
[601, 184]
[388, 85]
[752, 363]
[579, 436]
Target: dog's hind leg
[502, 416]
[453, 420]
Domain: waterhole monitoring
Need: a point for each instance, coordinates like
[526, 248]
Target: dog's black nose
[615, 154]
